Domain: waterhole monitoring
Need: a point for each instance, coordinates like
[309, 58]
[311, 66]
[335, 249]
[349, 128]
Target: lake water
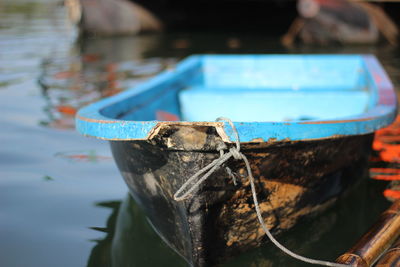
[62, 200]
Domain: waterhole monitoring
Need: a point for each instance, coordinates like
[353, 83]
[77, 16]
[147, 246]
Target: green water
[62, 200]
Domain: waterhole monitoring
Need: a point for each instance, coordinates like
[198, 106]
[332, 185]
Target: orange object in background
[392, 194]
[64, 75]
[385, 163]
[88, 58]
[83, 156]
[67, 110]
[386, 174]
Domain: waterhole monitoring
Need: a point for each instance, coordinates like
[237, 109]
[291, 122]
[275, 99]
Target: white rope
[209, 169]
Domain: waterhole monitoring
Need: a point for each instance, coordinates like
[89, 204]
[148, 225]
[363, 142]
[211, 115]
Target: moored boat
[305, 124]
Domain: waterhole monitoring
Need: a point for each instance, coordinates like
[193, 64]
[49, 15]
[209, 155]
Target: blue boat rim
[91, 121]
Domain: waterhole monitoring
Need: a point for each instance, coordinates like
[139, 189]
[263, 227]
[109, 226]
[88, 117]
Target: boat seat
[199, 103]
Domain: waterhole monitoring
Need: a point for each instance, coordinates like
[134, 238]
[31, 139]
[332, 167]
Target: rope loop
[235, 153]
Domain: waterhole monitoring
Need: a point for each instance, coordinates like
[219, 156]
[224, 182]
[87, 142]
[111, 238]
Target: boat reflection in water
[131, 241]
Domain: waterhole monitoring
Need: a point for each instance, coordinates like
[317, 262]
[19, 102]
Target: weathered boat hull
[293, 180]
[305, 123]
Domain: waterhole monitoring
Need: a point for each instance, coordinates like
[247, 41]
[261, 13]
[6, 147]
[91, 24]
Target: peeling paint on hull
[293, 180]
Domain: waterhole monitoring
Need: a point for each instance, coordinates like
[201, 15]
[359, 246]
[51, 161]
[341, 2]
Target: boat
[305, 123]
[341, 21]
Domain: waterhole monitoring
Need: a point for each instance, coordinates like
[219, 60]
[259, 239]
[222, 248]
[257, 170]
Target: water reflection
[130, 240]
[95, 68]
[101, 252]
[83, 156]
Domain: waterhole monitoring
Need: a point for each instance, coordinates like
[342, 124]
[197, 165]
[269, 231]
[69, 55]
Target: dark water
[62, 200]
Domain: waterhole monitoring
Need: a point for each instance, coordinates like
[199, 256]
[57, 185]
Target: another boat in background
[341, 21]
[317, 22]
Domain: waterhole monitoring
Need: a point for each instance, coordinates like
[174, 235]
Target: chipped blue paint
[359, 98]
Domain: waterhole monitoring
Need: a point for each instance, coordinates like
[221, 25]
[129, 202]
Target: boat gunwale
[90, 121]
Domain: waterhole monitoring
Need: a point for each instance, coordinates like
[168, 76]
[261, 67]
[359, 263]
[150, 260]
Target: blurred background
[62, 200]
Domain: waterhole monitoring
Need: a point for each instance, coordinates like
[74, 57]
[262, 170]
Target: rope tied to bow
[190, 186]
[210, 168]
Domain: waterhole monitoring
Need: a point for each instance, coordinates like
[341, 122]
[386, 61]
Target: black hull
[293, 180]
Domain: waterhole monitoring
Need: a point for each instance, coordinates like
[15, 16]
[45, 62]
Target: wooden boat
[341, 21]
[305, 123]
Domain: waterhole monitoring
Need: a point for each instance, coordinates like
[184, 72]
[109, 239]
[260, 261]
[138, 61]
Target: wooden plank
[391, 257]
[373, 243]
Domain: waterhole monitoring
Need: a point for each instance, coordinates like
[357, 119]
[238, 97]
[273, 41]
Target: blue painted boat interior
[276, 88]
[260, 92]
[203, 104]
[263, 88]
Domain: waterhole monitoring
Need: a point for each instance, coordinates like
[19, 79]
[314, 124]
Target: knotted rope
[236, 154]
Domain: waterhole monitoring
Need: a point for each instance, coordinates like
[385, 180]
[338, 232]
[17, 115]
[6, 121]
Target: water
[62, 200]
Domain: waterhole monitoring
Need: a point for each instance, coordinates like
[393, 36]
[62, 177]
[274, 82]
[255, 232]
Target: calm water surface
[62, 200]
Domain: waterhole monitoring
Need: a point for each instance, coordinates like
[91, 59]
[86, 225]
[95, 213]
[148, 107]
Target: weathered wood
[352, 260]
[391, 257]
[379, 237]
[294, 179]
